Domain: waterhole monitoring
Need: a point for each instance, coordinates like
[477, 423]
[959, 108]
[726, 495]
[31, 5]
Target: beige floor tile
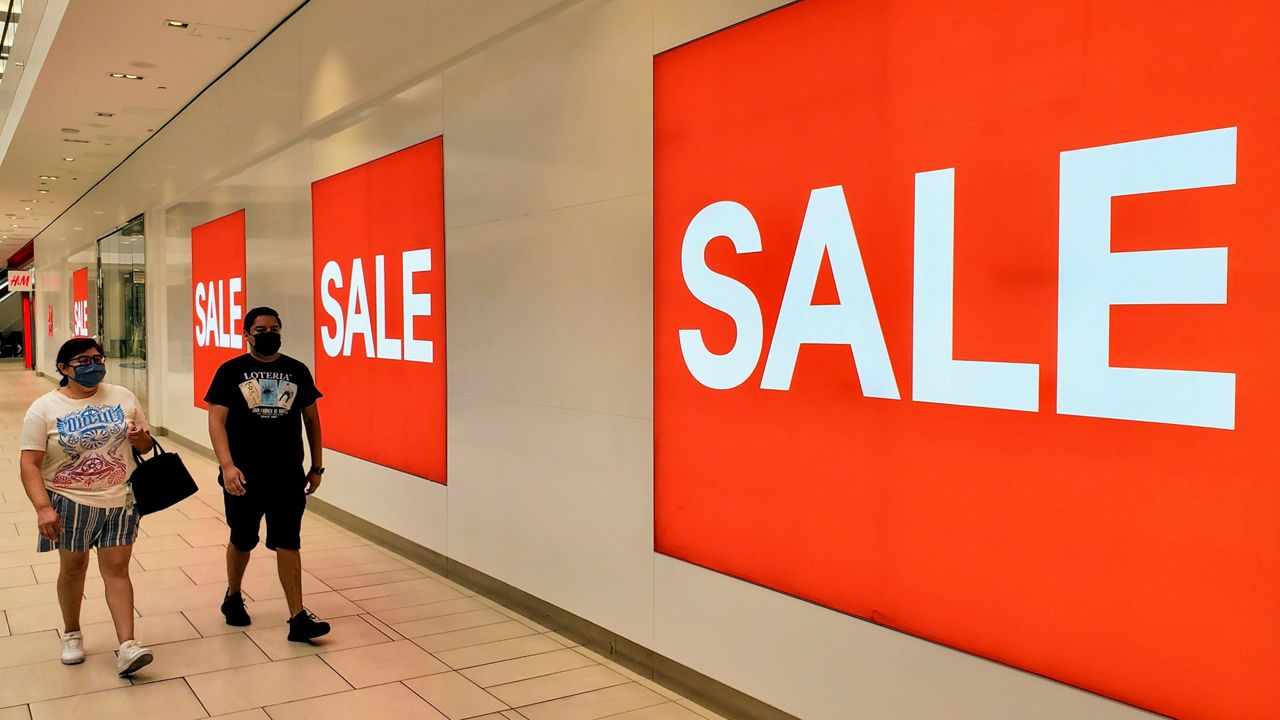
[347, 632]
[17, 558]
[497, 651]
[370, 567]
[449, 623]
[15, 713]
[428, 594]
[260, 565]
[386, 702]
[162, 559]
[389, 662]
[9, 543]
[8, 529]
[408, 613]
[197, 509]
[254, 714]
[383, 628]
[160, 602]
[665, 711]
[180, 525]
[159, 544]
[201, 655]
[559, 685]
[699, 710]
[30, 648]
[205, 538]
[229, 691]
[28, 595]
[149, 629]
[395, 588]
[51, 679]
[509, 671]
[144, 582]
[455, 696]
[357, 581]
[46, 617]
[267, 587]
[171, 700]
[596, 704]
[476, 636]
[4, 624]
[334, 542]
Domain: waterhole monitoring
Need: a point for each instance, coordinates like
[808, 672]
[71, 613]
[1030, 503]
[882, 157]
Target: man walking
[258, 404]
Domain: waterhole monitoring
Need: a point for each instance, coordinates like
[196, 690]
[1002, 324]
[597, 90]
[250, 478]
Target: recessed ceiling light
[177, 24]
[68, 159]
[14, 225]
[70, 131]
[161, 87]
[26, 208]
[42, 190]
[19, 63]
[79, 228]
[48, 177]
[105, 114]
[75, 140]
[125, 76]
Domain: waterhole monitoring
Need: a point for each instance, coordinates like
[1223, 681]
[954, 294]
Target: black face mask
[267, 343]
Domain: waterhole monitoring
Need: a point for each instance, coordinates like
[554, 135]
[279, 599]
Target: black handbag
[160, 481]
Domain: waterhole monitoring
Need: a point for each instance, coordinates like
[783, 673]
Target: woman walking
[76, 463]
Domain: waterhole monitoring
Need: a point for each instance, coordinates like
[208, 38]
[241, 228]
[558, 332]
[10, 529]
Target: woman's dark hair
[72, 348]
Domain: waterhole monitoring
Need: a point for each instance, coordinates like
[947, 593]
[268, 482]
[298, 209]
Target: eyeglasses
[88, 360]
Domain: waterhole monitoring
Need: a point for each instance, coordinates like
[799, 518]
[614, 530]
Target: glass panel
[122, 307]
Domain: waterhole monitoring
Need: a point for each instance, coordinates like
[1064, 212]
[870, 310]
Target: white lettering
[1092, 279]
[723, 293]
[935, 375]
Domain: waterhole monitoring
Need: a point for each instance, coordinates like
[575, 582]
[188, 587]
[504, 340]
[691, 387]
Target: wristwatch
[316, 471]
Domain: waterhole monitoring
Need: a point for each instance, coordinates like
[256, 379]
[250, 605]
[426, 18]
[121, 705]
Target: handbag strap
[156, 451]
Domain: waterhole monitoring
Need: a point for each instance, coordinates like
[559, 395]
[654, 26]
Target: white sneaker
[72, 648]
[133, 657]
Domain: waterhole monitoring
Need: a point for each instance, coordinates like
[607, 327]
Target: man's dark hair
[258, 312]
[72, 348]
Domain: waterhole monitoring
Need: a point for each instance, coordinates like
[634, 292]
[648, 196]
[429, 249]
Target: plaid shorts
[85, 527]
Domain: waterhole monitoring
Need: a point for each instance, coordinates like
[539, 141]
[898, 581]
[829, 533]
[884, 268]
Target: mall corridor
[406, 643]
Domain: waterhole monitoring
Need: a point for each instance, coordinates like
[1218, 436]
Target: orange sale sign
[965, 324]
[218, 297]
[380, 315]
[80, 303]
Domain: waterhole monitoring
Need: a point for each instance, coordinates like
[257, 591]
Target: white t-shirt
[87, 457]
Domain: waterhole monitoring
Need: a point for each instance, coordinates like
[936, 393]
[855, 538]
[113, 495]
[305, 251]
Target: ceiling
[69, 119]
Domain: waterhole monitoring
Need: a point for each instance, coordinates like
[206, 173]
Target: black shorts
[271, 495]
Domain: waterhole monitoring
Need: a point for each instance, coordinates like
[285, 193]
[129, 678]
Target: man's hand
[233, 480]
[313, 482]
[50, 525]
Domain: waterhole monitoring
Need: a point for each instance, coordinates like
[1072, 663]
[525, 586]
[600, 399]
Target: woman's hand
[50, 525]
[140, 438]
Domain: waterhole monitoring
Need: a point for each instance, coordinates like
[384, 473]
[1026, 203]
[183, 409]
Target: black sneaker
[233, 610]
[305, 627]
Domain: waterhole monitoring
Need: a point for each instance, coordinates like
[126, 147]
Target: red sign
[80, 303]
[217, 297]
[50, 319]
[965, 323]
[379, 288]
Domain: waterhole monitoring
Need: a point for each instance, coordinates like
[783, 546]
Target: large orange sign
[218, 297]
[380, 316]
[966, 324]
[80, 303]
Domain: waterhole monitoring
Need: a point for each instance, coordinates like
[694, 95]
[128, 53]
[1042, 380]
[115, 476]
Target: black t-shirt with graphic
[265, 402]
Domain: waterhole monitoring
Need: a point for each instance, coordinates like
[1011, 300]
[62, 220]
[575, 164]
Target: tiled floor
[406, 643]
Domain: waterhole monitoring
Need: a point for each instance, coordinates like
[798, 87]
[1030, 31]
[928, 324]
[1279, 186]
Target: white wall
[546, 109]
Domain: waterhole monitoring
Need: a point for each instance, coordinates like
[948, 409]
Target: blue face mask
[90, 375]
